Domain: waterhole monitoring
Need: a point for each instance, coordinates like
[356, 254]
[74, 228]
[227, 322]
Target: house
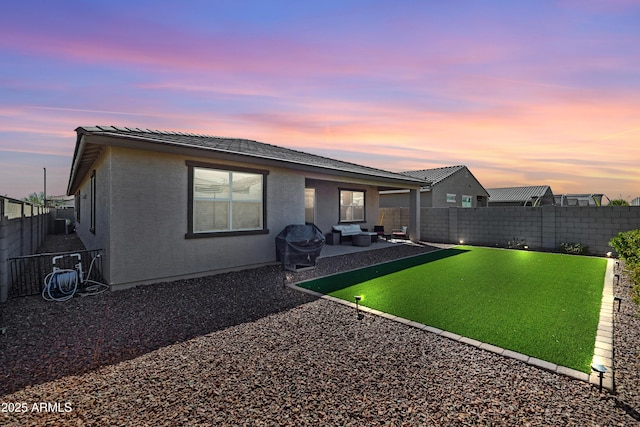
[579, 199]
[537, 195]
[635, 202]
[451, 186]
[169, 205]
[64, 202]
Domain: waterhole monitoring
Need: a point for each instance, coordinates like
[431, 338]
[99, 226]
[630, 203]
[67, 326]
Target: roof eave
[74, 164]
[390, 179]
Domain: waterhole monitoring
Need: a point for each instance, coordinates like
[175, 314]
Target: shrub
[574, 248]
[627, 245]
[517, 243]
[635, 292]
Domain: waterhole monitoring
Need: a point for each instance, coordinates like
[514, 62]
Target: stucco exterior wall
[100, 238]
[328, 203]
[148, 209]
[142, 208]
[398, 200]
[461, 183]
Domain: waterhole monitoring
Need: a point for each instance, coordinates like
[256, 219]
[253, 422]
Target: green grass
[540, 304]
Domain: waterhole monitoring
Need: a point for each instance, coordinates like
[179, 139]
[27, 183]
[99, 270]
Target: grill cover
[299, 244]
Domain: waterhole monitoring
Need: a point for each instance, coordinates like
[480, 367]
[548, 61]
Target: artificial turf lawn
[540, 304]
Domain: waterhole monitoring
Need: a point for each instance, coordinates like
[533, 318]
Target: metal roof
[517, 194]
[234, 146]
[579, 199]
[434, 175]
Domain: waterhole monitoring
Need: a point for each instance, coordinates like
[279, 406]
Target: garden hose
[60, 285]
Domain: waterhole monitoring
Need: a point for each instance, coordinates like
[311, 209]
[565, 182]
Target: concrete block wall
[392, 218]
[497, 226]
[542, 228]
[595, 226]
[438, 220]
[19, 235]
[64, 213]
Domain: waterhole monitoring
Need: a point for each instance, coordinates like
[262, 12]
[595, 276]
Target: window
[310, 205]
[225, 199]
[451, 198]
[77, 201]
[92, 226]
[351, 206]
[466, 201]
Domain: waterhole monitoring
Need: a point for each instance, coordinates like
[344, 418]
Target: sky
[527, 92]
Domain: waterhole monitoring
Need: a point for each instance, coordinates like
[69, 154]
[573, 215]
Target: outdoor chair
[400, 233]
[379, 230]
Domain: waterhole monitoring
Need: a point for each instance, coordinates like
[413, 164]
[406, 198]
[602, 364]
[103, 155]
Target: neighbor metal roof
[517, 194]
[234, 146]
[434, 175]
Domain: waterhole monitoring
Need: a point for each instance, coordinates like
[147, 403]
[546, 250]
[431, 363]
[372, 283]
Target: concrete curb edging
[603, 351]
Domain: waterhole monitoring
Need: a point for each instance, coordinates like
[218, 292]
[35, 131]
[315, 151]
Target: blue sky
[523, 93]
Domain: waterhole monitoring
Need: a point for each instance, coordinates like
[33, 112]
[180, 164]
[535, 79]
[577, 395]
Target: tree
[618, 202]
[35, 199]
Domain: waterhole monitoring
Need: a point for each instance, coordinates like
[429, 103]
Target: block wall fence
[542, 228]
[23, 228]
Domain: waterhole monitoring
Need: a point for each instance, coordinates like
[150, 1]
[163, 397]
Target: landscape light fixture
[619, 300]
[609, 254]
[461, 241]
[600, 369]
[360, 315]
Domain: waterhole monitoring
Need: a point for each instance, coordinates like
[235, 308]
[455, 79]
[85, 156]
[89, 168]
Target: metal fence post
[4, 254]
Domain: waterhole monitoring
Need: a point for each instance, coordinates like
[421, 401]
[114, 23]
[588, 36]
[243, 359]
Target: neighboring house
[61, 201]
[451, 186]
[635, 202]
[169, 205]
[579, 199]
[539, 195]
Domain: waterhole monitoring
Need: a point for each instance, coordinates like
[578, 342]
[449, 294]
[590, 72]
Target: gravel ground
[626, 343]
[242, 349]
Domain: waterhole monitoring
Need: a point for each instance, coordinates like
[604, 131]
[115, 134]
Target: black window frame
[92, 226]
[191, 165]
[77, 203]
[364, 207]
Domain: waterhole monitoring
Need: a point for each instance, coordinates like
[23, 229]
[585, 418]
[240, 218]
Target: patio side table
[362, 239]
[333, 238]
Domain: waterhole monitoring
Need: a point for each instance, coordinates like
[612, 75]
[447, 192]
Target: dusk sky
[521, 92]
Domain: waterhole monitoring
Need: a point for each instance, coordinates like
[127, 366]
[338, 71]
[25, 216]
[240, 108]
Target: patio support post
[414, 215]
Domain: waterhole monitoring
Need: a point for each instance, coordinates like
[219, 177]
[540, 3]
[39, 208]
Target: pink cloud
[515, 102]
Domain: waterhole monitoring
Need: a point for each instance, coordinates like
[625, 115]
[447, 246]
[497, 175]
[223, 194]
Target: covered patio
[348, 248]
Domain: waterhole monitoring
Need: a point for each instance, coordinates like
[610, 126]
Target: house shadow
[45, 341]
[341, 280]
